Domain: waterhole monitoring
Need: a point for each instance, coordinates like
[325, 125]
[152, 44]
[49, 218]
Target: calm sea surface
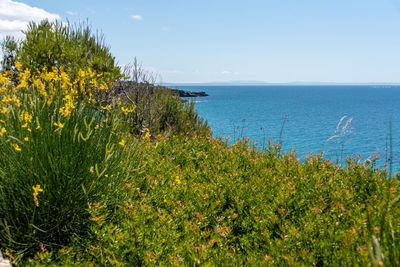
[308, 115]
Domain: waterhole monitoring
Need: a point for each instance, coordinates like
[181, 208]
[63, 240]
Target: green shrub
[54, 44]
[195, 200]
[159, 110]
[60, 154]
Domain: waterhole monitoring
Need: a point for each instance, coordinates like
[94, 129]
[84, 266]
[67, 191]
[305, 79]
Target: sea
[338, 120]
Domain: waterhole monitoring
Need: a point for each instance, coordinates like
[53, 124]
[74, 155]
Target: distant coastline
[260, 83]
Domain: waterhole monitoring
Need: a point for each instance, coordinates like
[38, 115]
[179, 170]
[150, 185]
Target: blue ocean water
[310, 115]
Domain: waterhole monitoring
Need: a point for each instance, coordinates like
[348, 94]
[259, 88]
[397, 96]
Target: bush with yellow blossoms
[60, 154]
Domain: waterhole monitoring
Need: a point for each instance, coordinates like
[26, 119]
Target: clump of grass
[343, 130]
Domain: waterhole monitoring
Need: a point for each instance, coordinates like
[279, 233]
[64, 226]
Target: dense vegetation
[95, 170]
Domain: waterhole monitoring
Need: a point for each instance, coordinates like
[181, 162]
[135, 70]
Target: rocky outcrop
[184, 93]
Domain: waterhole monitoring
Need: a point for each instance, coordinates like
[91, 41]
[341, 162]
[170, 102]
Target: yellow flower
[17, 65]
[26, 139]
[96, 127]
[177, 180]
[93, 82]
[128, 110]
[25, 125]
[25, 116]
[2, 131]
[59, 124]
[108, 107]
[16, 147]
[147, 134]
[122, 143]
[36, 190]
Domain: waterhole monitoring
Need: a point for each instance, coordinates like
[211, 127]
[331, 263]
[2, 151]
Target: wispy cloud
[173, 71]
[227, 72]
[137, 17]
[15, 16]
[72, 13]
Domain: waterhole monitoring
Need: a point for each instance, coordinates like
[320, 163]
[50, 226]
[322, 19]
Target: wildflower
[16, 147]
[26, 139]
[96, 127]
[36, 190]
[177, 180]
[147, 135]
[126, 111]
[26, 117]
[59, 124]
[17, 65]
[65, 111]
[94, 83]
[2, 131]
[23, 79]
[122, 143]
[108, 107]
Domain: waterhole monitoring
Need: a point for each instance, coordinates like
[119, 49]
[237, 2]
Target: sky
[276, 41]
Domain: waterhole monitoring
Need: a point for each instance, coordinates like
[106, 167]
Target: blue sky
[185, 41]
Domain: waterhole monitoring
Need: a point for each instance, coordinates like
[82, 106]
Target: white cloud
[137, 17]
[15, 16]
[71, 13]
[165, 29]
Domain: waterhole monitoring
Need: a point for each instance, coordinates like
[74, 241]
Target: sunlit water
[312, 114]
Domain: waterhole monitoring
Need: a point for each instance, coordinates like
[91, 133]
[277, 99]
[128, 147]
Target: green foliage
[53, 168]
[49, 44]
[86, 191]
[195, 200]
[9, 47]
[158, 109]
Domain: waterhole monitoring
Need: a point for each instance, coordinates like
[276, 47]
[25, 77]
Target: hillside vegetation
[93, 172]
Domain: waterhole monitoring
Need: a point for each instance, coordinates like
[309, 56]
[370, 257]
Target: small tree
[9, 47]
[48, 44]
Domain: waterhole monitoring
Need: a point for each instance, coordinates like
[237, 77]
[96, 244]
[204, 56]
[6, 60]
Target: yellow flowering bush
[65, 135]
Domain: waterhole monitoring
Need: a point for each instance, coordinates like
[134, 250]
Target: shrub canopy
[54, 44]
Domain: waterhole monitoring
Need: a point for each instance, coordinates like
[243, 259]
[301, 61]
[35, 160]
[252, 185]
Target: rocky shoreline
[184, 93]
